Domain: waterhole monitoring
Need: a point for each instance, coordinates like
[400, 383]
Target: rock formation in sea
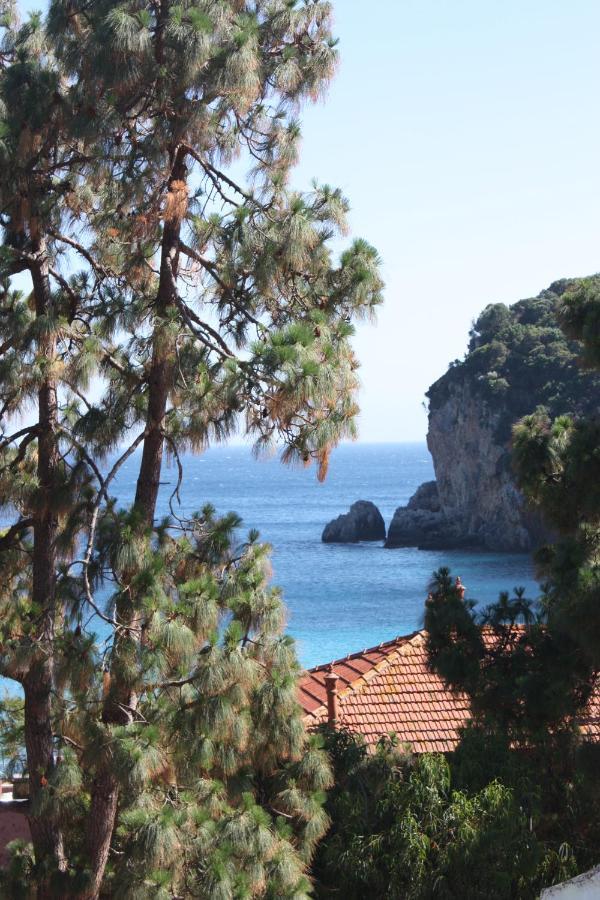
[422, 523]
[363, 522]
[518, 359]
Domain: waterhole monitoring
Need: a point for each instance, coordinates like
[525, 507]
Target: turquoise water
[340, 598]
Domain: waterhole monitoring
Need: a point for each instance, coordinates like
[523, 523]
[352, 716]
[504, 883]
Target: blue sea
[340, 598]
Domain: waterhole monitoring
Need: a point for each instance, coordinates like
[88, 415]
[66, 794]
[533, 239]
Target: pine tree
[34, 477]
[166, 751]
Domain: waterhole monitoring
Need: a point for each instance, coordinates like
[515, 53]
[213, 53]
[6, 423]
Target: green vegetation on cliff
[519, 358]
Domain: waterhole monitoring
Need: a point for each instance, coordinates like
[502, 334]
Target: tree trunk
[45, 830]
[105, 792]
[101, 823]
[159, 380]
[38, 684]
[148, 482]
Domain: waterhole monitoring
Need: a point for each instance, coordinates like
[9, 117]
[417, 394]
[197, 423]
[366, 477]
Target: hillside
[517, 359]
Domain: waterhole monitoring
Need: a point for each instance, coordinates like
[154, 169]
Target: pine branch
[191, 318]
[84, 252]
[209, 267]
[79, 394]
[216, 176]
[33, 433]
[123, 370]
[64, 285]
[85, 562]
[18, 266]
[175, 493]
[19, 434]
[7, 539]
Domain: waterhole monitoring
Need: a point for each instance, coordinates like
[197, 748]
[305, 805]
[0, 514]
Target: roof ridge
[359, 653]
[381, 666]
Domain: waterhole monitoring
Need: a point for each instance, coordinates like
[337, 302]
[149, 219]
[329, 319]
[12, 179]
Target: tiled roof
[590, 722]
[390, 688]
[350, 669]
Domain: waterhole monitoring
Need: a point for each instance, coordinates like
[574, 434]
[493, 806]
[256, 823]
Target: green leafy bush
[411, 828]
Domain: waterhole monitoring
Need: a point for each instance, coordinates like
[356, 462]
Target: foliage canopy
[424, 827]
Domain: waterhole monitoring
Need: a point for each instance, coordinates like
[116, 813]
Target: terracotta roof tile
[390, 688]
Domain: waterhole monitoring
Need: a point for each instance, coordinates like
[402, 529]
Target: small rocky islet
[517, 359]
[363, 522]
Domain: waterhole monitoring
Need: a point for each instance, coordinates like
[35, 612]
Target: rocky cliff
[478, 497]
[518, 359]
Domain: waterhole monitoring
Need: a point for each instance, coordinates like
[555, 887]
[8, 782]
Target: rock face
[478, 497]
[423, 524]
[473, 503]
[363, 522]
[518, 359]
[421, 520]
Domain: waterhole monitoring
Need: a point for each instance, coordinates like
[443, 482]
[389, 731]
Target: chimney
[331, 680]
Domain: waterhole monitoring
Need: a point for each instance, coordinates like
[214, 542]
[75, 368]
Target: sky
[466, 135]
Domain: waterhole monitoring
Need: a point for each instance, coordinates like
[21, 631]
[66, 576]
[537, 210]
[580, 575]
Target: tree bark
[159, 379]
[101, 823]
[105, 792]
[38, 683]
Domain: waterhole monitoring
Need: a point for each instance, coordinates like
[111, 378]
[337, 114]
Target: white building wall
[584, 887]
